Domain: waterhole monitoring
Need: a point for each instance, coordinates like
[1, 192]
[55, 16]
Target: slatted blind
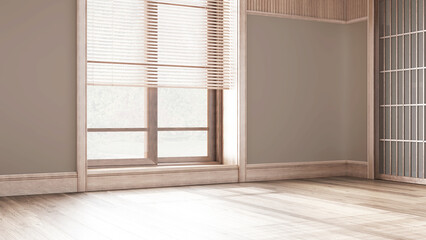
[160, 43]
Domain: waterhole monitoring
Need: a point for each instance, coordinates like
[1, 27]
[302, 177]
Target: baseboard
[299, 170]
[402, 179]
[282, 171]
[356, 169]
[37, 183]
[114, 179]
[128, 178]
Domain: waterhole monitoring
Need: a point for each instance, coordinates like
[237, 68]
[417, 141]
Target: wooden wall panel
[356, 9]
[323, 9]
[336, 10]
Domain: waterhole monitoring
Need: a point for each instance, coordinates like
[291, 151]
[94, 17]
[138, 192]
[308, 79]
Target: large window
[155, 72]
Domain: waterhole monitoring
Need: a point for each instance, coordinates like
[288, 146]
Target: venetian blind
[160, 43]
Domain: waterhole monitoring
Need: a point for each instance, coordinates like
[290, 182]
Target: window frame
[215, 113]
[214, 141]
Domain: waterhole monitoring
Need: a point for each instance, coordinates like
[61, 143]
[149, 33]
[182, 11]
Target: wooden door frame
[81, 97]
[372, 91]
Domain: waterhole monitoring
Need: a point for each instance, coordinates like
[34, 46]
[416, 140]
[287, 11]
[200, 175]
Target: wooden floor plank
[325, 208]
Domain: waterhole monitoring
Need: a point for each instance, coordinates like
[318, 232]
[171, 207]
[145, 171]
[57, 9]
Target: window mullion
[214, 61]
[152, 73]
[152, 125]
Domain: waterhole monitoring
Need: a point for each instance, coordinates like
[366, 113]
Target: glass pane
[200, 3]
[414, 50]
[393, 17]
[413, 87]
[180, 107]
[393, 160]
[407, 122]
[381, 157]
[116, 145]
[400, 158]
[413, 123]
[420, 14]
[182, 144]
[400, 122]
[424, 86]
[388, 88]
[182, 35]
[388, 17]
[393, 52]
[400, 52]
[393, 127]
[400, 88]
[423, 45]
[420, 50]
[387, 157]
[407, 151]
[387, 53]
[407, 51]
[381, 54]
[407, 16]
[393, 87]
[387, 122]
[421, 159]
[420, 122]
[424, 11]
[381, 17]
[382, 121]
[413, 15]
[116, 31]
[420, 87]
[400, 16]
[406, 87]
[116, 107]
[423, 89]
[382, 89]
[413, 159]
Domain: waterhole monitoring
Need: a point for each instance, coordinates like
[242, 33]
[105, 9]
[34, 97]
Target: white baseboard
[283, 171]
[37, 183]
[114, 179]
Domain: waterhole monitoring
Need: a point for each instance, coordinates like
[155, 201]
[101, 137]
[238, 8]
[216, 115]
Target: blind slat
[161, 43]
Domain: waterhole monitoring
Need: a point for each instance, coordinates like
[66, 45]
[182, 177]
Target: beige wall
[313, 74]
[354, 103]
[37, 86]
[306, 90]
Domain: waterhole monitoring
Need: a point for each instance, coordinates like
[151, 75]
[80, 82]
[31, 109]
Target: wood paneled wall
[336, 10]
[356, 9]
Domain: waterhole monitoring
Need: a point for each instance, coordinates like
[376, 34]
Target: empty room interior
[212, 119]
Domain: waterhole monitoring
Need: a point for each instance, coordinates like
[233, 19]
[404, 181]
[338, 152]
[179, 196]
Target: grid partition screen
[402, 89]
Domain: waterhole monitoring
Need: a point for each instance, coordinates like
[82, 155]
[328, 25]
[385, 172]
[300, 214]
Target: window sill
[158, 169]
[159, 176]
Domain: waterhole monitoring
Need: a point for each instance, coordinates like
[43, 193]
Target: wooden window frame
[214, 154]
[232, 132]
[214, 112]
